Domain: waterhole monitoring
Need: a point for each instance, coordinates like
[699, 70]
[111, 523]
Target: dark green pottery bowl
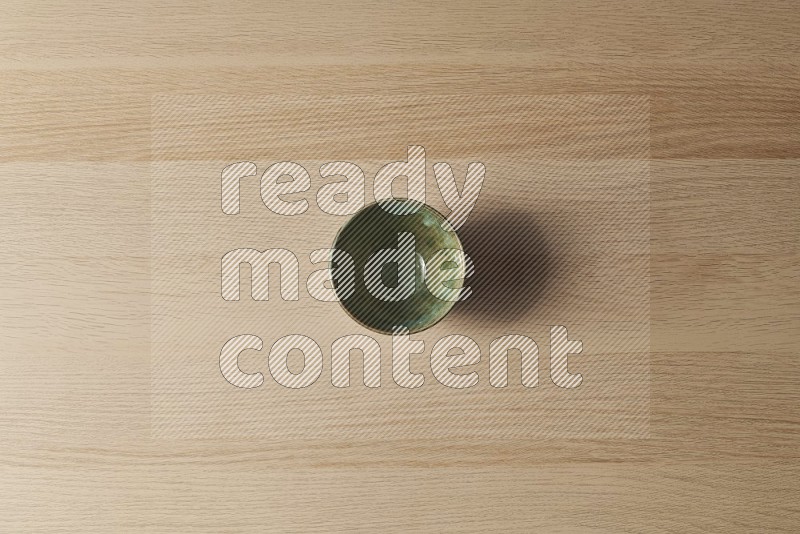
[377, 227]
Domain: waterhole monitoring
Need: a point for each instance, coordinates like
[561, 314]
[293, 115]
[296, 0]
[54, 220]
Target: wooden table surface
[77, 451]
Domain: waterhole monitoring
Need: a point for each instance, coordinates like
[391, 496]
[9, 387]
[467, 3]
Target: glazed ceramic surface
[376, 227]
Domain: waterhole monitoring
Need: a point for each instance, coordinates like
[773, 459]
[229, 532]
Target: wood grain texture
[76, 452]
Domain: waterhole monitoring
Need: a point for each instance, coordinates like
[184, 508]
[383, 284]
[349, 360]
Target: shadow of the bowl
[514, 265]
